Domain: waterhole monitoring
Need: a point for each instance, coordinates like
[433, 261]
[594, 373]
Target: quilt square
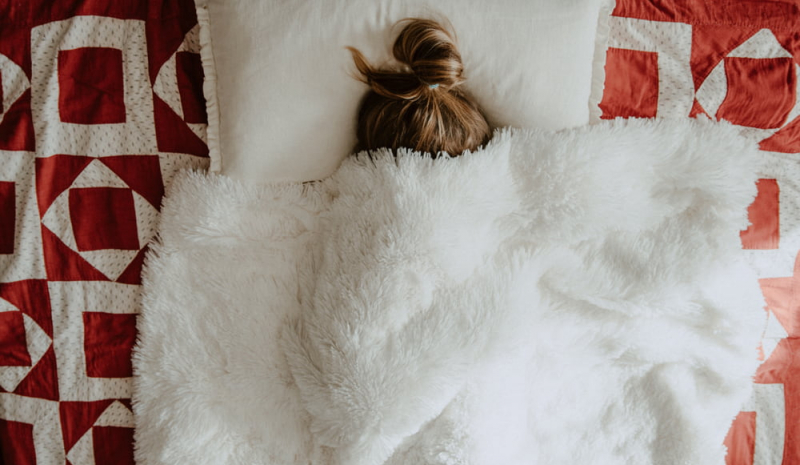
[99, 432]
[27, 364]
[88, 39]
[634, 90]
[88, 319]
[103, 218]
[108, 340]
[761, 91]
[91, 86]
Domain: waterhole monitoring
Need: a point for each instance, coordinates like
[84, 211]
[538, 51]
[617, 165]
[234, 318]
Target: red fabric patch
[761, 91]
[697, 109]
[190, 86]
[764, 213]
[172, 133]
[16, 128]
[786, 140]
[108, 340]
[133, 273]
[13, 342]
[8, 216]
[142, 173]
[54, 175]
[91, 86]
[113, 445]
[741, 440]
[778, 13]
[103, 218]
[710, 44]
[78, 417]
[15, 39]
[64, 264]
[16, 443]
[36, 12]
[42, 381]
[631, 84]
[31, 297]
[789, 40]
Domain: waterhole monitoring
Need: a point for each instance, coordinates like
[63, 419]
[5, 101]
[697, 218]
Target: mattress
[102, 104]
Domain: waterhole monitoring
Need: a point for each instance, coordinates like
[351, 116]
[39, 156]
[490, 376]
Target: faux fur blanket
[576, 297]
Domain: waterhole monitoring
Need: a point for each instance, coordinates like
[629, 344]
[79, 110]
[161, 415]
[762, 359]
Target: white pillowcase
[281, 95]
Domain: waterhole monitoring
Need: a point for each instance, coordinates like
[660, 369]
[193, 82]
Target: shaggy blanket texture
[577, 297]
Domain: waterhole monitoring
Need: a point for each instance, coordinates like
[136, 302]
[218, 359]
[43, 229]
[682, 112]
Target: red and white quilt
[101, 103]
[737, 61]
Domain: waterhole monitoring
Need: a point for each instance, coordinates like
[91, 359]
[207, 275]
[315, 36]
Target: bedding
[64, 411]
[411, 310]
[264, 59]
[736, 61]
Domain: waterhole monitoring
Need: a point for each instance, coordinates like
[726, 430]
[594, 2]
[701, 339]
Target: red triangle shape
[133, 273]
[42, 381]
[54, 175]
[142, 173]
[16, 128]
[127, 403]
[78, 417]
[697, 109]
[786, 140]
[166, 32]
[710, 44]
[32, 297]
[172, 133]
[790, 40]
[64, 264]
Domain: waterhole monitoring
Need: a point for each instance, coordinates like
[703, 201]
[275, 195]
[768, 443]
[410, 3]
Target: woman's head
[421, 106]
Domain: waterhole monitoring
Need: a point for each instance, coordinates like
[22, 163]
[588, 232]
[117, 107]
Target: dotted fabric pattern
[100, 105]
[739, 62]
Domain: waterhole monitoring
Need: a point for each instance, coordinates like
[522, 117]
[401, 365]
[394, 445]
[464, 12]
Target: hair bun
[431, 53]
[421, 108]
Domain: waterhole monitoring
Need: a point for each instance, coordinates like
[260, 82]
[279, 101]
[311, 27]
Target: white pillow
[281, 95]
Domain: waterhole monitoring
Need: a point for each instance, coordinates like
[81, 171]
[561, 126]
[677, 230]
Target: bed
[95, 123]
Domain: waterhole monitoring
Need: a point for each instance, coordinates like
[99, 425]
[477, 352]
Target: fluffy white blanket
[576, 297]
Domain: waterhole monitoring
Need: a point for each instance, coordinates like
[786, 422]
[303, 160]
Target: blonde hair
[422, 106]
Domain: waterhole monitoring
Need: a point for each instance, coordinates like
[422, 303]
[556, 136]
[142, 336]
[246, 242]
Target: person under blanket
[540, 298]
[422, 106]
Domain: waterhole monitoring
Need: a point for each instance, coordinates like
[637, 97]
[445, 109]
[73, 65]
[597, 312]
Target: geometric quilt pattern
[101, 104]
[99, 108]
[738, 62]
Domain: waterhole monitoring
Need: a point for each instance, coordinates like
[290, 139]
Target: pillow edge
[209, 86]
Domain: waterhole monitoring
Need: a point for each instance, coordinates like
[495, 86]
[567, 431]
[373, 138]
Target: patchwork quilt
[737, 61]
[101, 103]
[101, 106]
